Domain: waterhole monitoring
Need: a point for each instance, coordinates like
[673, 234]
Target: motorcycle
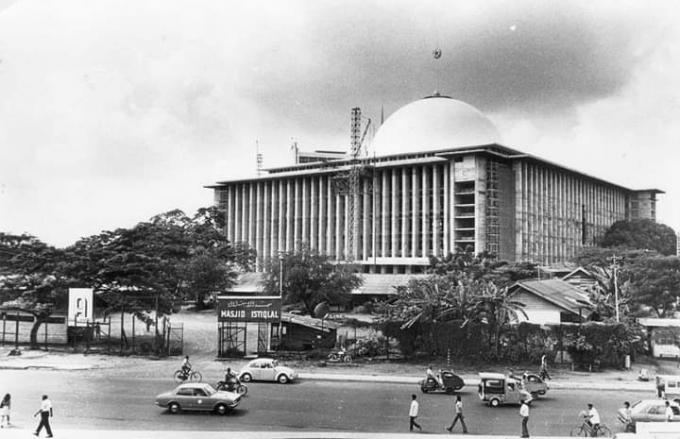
[233, 385]
[450, 383]
[340, 357]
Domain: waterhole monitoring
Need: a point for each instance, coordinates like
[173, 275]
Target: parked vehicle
[197, 397]
[341, 356]
[533, 384]
[497, 388]
[668, 386]
[653, 410]
[267, 369]
[234, 385]
[450, 383]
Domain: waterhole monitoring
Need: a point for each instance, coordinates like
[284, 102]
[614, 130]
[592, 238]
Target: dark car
[198, 397]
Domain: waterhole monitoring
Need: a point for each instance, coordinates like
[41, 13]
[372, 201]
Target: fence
[120, 334]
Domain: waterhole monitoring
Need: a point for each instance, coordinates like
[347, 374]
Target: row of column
[559, 212]
[401, 212]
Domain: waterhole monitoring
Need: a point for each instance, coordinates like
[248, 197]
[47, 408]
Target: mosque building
[440, 181]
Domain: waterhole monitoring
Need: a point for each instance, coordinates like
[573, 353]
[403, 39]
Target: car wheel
[494, 402]
[246, 378]
[173, 407]
[221, 409]
[283, 379]
[450, 390]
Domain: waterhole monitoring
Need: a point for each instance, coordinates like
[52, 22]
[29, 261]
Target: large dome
[434, 123]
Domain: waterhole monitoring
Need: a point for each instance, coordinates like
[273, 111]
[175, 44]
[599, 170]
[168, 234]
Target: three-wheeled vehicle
[497, 388]
[450, 383]
[533, 384]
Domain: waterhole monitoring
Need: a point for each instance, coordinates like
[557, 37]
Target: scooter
[234, 385]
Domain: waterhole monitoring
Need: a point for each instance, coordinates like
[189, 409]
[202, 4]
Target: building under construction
[440, 181]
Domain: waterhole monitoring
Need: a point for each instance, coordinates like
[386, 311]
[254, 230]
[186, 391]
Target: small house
[551, 301]
[303, 333]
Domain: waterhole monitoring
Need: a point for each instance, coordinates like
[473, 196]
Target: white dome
[434, 123]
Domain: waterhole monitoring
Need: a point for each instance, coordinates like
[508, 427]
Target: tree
[483, 266]
[655, 284]
[32, 278]
[641, 234]
[310, 278]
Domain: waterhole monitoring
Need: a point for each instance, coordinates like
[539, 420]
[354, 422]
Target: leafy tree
[655, 284]
[602, 257]
[32, 278]
[641, 234]
[310, 278]
[483, 266]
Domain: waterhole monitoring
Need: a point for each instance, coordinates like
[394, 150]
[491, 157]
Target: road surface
[102, 399]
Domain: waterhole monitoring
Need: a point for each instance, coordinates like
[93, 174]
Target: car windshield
[275, 363]
[209, 389]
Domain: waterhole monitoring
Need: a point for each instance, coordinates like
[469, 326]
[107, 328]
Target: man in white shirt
[593, 419]
[524, 414]
[459, 416]
[45, 413]
[669, 412]
[413, 414]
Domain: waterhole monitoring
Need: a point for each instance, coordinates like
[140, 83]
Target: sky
[114, 111]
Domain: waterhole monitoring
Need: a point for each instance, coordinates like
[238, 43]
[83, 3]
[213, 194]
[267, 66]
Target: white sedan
[267, 369]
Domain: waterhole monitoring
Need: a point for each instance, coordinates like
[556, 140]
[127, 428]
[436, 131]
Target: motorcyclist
[230, 379]
[431, 375]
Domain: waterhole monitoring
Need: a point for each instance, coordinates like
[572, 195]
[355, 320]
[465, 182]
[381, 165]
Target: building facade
[440, 182]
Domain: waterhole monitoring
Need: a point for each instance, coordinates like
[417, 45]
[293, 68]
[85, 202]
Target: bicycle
[586, 430]
[181, 376]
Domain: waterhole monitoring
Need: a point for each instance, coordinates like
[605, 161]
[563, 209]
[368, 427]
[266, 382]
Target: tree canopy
[641, 234]
[310, 278]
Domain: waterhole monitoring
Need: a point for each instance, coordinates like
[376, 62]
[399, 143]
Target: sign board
[249, 309]
[80, 306]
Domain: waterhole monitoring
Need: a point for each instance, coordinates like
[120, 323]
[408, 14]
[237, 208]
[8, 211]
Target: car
[198, 397]
[267, 369]
[653, 410]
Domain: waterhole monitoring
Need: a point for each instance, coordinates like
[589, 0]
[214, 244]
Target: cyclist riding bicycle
[186, 366]
[593, 419]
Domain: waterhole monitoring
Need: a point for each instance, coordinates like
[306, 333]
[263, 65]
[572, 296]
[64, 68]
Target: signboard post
[80, 306]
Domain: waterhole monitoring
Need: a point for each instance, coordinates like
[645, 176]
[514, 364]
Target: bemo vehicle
[497, 388]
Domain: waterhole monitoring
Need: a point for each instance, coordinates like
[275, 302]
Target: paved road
[106, 400]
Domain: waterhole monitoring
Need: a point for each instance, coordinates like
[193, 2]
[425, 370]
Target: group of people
[45, 413]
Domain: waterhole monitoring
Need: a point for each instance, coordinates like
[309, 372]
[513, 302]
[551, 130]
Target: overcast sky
[114, 111]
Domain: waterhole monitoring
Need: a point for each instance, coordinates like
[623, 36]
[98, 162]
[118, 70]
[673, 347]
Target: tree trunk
[34, 331]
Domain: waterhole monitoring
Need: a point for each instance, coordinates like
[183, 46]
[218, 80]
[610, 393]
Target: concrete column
[229, 222]
[394, 223]
[258, 224]
[330, 219]
[435, 210]
[313, 213]
[282, 216]
[426, 231]
[451, 206]
[321, 213]
[273, 220]
[347, 200]
[365, 215]
[244, 213]
[404, 210]
[339, 239]
[304, 236]
[297, 205]
[385, 218]
[415, 209]
[289, 216]
[447, 208]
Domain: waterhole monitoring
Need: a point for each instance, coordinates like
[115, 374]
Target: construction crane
[349, 183]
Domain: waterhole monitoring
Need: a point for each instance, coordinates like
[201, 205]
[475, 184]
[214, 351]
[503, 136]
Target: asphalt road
[105, 400]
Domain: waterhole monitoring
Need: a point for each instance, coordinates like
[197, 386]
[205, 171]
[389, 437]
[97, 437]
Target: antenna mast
[258, 158]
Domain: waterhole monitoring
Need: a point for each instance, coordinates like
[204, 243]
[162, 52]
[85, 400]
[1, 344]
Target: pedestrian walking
[544, 368]
[524, 414]
[45, 413]
[668, 413]
[5, 407]
[458, 408]
[413, 414]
